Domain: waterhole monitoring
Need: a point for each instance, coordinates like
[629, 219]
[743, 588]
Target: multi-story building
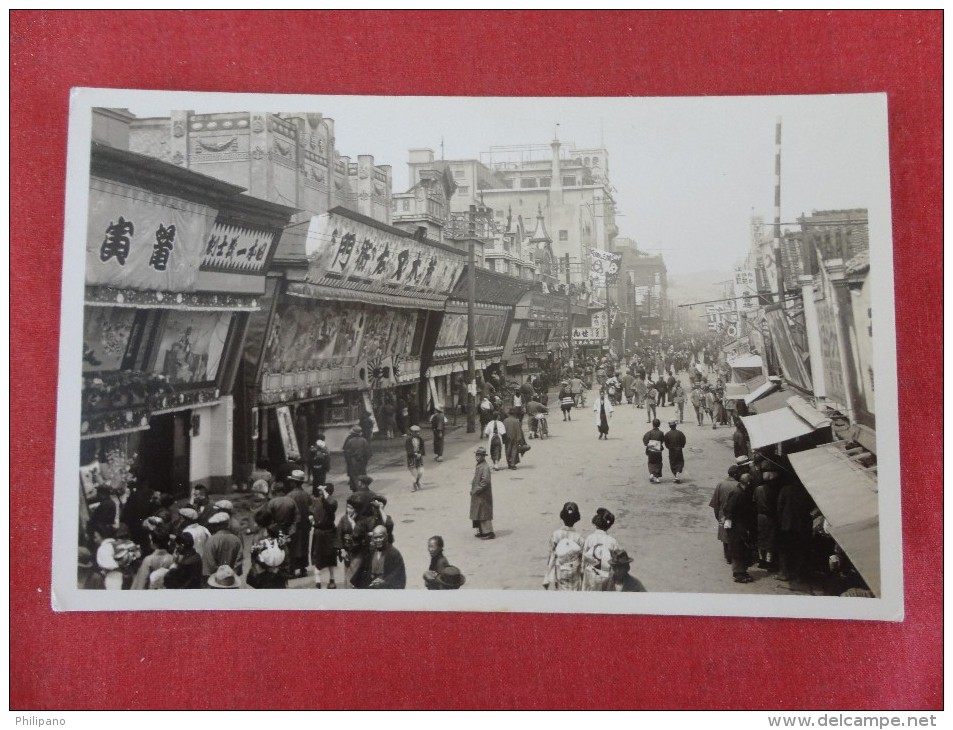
[641, 292]
[568, 187]
[289, 159]
[833, 234]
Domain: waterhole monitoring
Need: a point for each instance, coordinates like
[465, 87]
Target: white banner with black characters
[344, 247]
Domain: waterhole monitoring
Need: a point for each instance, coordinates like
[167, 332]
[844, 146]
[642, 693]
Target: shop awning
[799, 418]
[846, 494]
[773, 401]
[364, 293]
[761, 391]
[746, 361]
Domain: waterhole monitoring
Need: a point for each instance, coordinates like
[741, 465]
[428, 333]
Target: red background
[308, 660]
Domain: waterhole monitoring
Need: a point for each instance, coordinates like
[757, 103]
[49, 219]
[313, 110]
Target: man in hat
[449, 578]
[224, 577]
[298, 547]
[357, 454]
[738, 521]
[514, 439]
[414, 446]
[675, 443]
[739, 439]
[619, 579]
[717, 503]
[654, 441]
[481, 497]
[188, 522]
[383, 567]
[698, 402]
[438, 424]
[222, 548]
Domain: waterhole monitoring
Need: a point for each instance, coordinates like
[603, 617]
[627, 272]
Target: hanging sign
[137, 239]
[604, 267]
[289, 440]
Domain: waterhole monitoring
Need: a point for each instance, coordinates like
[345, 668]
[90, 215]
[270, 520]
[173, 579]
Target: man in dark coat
[383, 566]
[514, 438]
[619, 579]
[438, 424]
[654, 441]
[675, 443]
[279, 512]
[717, 503]
[357, 454]
[481, 497]
[304, 503]
[737, 512]
[662, 387]
[794, 528]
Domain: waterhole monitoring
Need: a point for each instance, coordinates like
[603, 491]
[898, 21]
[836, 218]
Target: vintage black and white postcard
[482, 354]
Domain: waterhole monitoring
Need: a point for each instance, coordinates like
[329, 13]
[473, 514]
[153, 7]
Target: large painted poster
[344, 247]
[190, 350]
[453, 331]
[388, 332]
[308, 333]
[106, 332]
[140, 240]
[487, 329]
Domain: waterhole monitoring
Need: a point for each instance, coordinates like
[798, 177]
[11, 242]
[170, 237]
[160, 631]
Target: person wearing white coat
[602, 407]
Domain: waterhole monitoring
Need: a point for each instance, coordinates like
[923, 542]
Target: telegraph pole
[568, 308]
[777, 211]
[471, 302]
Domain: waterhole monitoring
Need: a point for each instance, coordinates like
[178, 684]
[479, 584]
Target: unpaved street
[668, 528]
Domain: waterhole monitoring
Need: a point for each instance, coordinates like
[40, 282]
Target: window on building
[528, 182]
[569, 180]
[463, 190]
[459, 173]
[586, 161]
[406, 205]
[544, 182]
[595, 160]
[563, 235]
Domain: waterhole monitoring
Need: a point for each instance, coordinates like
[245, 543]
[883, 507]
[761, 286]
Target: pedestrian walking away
[481, 497]
[495, 433]
[675, 443]
[414, 445]
[597, 551]
[438, 423]
[564, 569]
[654, 443]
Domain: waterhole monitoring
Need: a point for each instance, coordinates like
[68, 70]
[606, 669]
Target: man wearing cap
[698, 402]
[654, 441]
[298, 547]
[438, 423]
[357, 454]
[675, 443]
[717, 503]
[414, 446]
[481, 497]
[383, 567]
[619, 579]
[222, 548]
[188, 522]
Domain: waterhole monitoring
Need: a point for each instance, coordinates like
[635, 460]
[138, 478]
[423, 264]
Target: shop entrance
[164, 453]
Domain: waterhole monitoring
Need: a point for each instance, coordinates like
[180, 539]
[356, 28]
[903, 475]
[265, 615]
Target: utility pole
[568, 308]
[471, 302]
[777, 211]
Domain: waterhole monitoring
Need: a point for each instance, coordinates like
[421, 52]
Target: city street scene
[518, 345]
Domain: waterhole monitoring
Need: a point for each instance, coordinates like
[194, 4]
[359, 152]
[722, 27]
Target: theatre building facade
[175, 265]
[351, 306]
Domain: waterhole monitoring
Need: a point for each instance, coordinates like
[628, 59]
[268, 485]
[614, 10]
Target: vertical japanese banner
[140, 240]
[288, 438]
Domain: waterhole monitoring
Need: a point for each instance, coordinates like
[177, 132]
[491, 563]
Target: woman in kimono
[495, 433]
[564, 570]
[597, 552]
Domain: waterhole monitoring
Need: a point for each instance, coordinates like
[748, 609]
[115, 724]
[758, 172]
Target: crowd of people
[139, 539]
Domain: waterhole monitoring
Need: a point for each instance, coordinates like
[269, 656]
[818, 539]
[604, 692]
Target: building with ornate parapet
[288, 159]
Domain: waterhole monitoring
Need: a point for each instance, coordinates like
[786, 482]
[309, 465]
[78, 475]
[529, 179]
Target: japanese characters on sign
[338, 247]
[141, 240]
[603, 267]
[237, 248]
[596, 333]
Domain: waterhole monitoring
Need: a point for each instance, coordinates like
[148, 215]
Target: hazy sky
[689, 172]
